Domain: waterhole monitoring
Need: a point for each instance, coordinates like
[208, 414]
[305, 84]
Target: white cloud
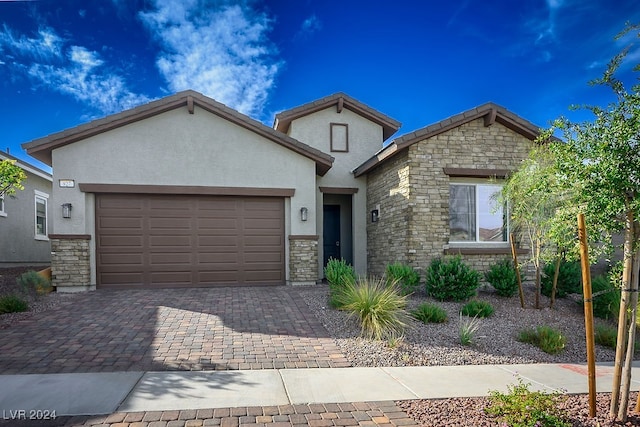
[222, 52]
[311, 24]
[75, 70]
[46, 46]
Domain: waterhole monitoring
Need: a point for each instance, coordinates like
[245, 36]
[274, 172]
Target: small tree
[600, 159]
[534, 197]
[11, 177]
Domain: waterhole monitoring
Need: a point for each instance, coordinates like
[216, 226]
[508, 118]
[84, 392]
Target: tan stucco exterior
[176, 148]
[365, 137]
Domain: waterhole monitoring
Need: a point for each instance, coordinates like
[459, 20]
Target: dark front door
[331, 232]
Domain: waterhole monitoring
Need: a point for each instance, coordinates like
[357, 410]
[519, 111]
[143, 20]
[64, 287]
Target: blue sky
[65, 62]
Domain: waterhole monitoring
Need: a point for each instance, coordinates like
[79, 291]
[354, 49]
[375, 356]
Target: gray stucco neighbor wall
[19, 245]
[412, 191]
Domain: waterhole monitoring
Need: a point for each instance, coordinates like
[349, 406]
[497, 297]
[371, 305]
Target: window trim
[453, 244]
[346, 136]
[44, 197]
[3, 212]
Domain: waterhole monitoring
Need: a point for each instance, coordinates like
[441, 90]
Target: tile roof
[340, 100]
[490, 112]
[41, 148]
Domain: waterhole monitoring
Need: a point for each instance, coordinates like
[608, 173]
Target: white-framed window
[475, 216]
[41, 220]
[2, 211]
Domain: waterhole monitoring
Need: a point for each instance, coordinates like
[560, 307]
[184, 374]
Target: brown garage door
[182, 241]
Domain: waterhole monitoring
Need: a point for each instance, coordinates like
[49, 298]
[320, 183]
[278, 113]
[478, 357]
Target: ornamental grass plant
[379, 308]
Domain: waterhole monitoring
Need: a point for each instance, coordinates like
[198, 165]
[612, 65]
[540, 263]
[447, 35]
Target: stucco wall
[365, 138]
[17, 228]
[178, 148]
[423, 192]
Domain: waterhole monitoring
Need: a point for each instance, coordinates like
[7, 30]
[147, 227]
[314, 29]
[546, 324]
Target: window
[2, 211]
[474, 215]
[41, 215]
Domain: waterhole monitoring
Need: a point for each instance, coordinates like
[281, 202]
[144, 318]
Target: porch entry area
[337, 232]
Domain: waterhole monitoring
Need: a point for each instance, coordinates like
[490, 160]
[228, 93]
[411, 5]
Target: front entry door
[331, 232]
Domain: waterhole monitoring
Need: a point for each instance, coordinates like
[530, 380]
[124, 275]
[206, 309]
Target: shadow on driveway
[170, 329]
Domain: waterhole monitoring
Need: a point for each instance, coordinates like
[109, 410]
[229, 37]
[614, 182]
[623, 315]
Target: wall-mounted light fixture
[304, 213]
[375, 215]
[66, 210]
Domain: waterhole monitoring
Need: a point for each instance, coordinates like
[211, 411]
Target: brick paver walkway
[170, 329]
[318, 415]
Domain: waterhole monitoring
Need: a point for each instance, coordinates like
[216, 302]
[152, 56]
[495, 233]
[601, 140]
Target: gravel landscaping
[435, 344]
[495, 343]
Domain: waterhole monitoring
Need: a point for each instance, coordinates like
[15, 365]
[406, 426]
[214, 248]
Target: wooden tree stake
[588, 313]
[514, 254]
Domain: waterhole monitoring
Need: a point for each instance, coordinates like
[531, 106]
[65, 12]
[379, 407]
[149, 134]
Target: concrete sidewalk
[106, 393]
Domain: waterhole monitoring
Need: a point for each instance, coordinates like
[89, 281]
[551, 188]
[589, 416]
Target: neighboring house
[185, 191]
[24, 219]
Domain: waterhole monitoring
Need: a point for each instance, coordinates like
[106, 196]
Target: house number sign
[67, 183]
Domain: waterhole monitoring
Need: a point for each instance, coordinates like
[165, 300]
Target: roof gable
[490, 112]
[41, 148]
[340, 100]
[27, 167]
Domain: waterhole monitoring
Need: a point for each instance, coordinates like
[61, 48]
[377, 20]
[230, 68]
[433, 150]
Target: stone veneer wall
[303, 260]
[70, 263]
[387, 239]
[423, 209]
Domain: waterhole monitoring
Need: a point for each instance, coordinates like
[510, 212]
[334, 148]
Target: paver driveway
[170, 329]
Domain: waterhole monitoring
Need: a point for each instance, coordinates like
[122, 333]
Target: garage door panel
[171, 258]
[121, 241]
[178, 240]
[218, 258]
[120, 258]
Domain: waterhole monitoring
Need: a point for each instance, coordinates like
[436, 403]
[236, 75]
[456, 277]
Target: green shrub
[521, 407]
[406, 278]
[338, 273]
[569, 279]
[467, 329]
[606, 336]
[12, 304]
[378, 307]
[545, 338]
[32, 282]
[606, 305]
[477, 308]
[429, 313]
[503, 277]
[451, 279]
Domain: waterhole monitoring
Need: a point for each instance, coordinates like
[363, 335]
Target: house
[24, 219]
[184, 191]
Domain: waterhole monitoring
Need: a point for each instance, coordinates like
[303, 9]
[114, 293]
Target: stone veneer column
[70, 262]
[303, 259]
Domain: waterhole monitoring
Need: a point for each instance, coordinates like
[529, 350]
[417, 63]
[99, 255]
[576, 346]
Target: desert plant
[468, 328]
[404, 276]
[606, 336]
[378, 307]
[451, 279]
[521, 407]
[429, 313]
[477, 308]
[503, 277]
[569, 279]
[606, 299]
[545, 338]
[32, 282]
[12, 304]
[338, 273]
